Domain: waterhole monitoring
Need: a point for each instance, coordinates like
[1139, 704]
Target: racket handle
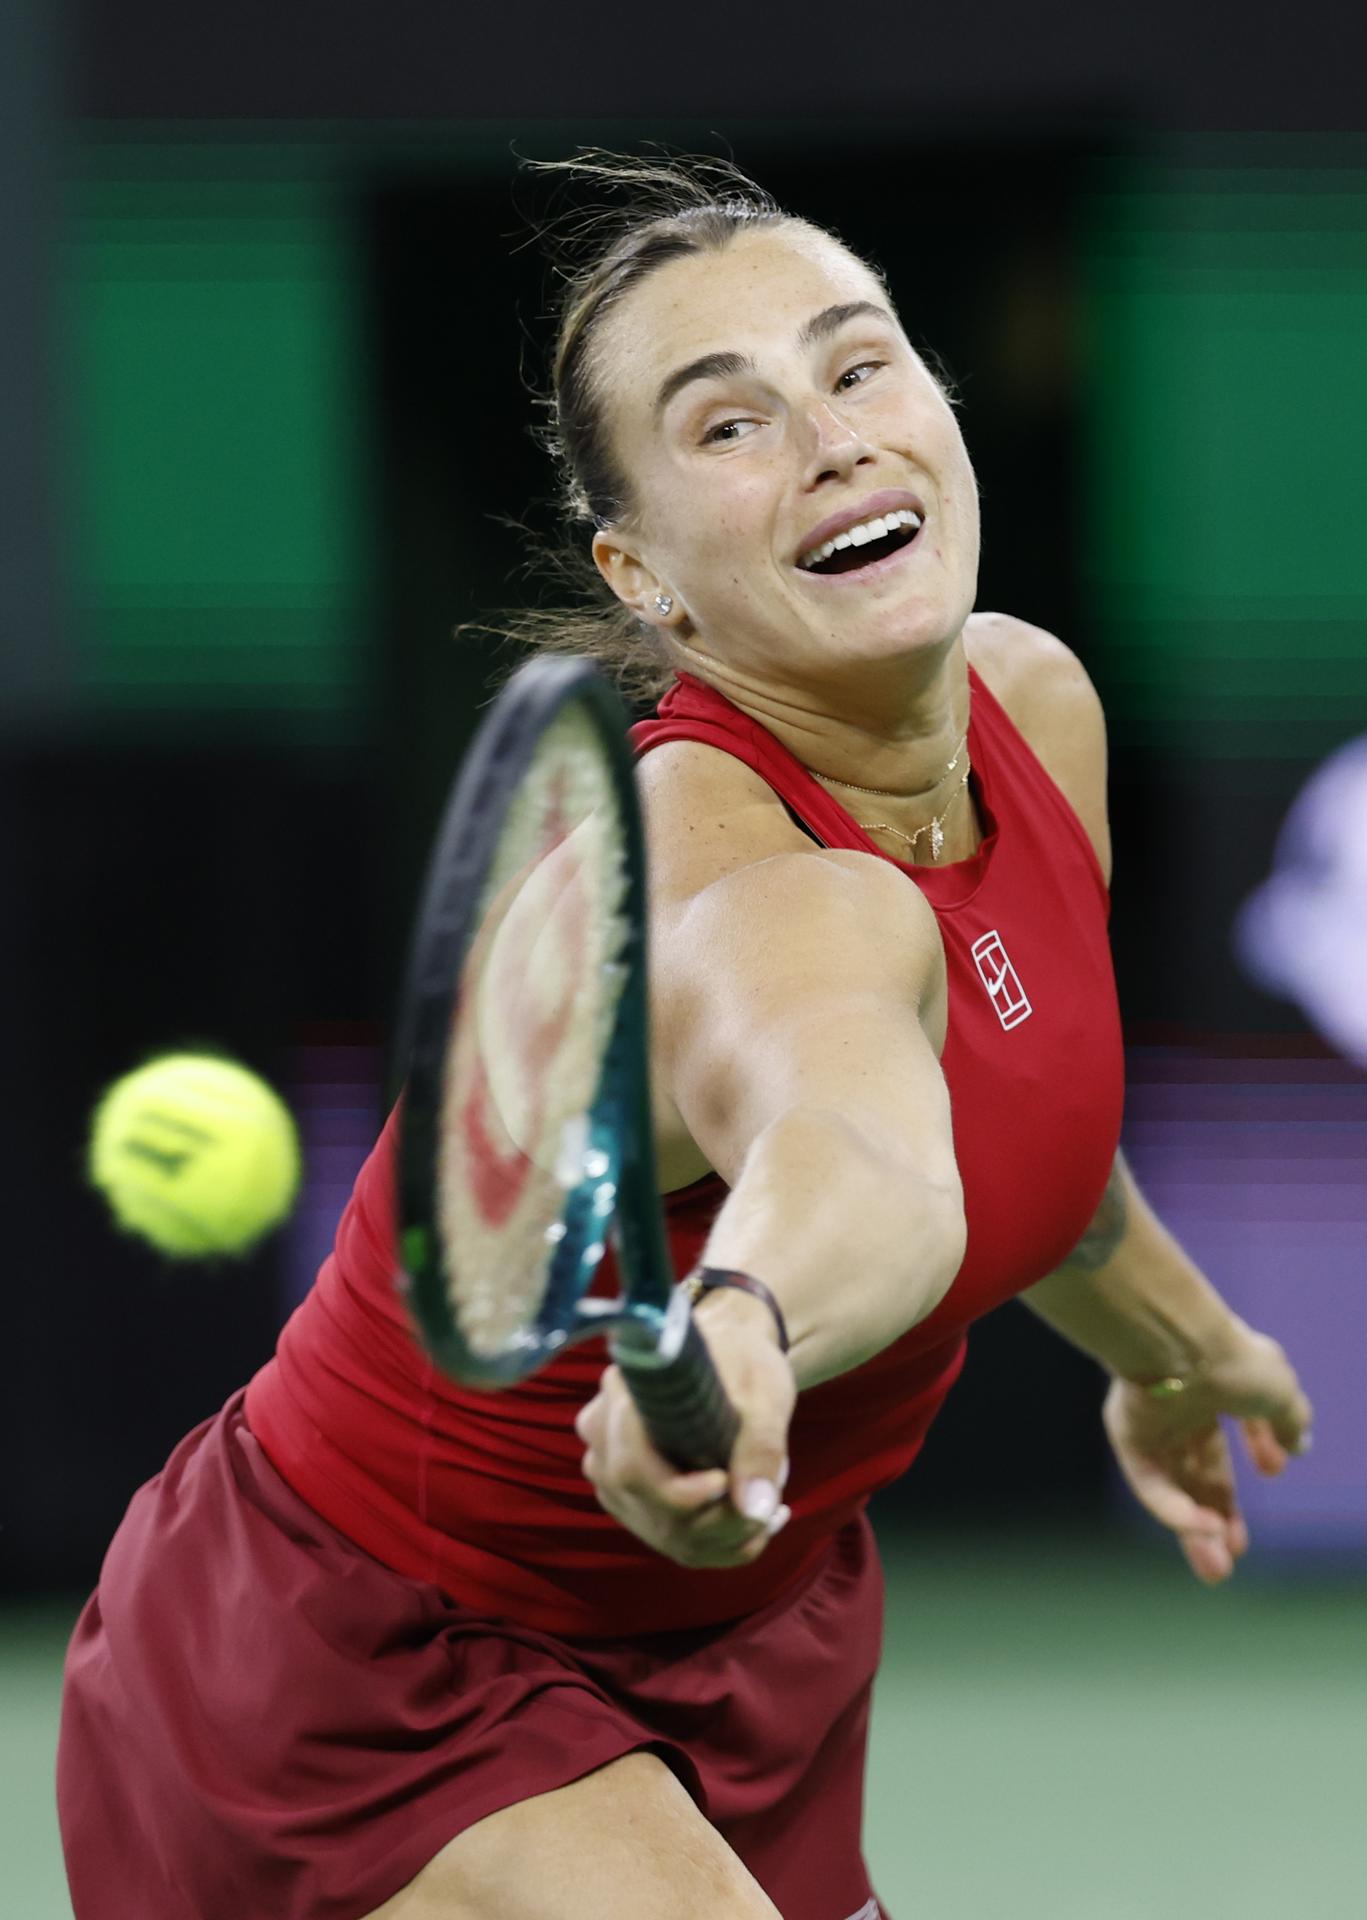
[682, 1401]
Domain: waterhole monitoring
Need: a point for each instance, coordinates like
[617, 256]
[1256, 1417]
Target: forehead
[754, 293]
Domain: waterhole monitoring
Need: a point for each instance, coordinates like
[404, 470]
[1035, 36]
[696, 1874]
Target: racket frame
[618, 1192]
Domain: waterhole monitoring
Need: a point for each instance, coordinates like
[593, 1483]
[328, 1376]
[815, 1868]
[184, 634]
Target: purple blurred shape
[1259, 1167]
[335, 1094]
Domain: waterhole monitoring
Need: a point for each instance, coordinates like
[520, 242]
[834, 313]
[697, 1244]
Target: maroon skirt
[259, 1719]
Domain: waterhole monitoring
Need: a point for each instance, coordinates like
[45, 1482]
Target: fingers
[1192, 1492]
[686, 1516]
[1265, 1388]
[1214, 1547]
[1184, 1489]
[1209, 1555]
[1175, 1508]
[1217, 1543]
[619, 1453]
[1291, 1424]
[759, 1465]
[759, 1383]
[1271, 1440]
[1263, 1447]
[1183, 1473]
[720, 1537]
[681, 1493]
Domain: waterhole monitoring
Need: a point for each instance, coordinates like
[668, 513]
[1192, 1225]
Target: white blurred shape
[1303, 933]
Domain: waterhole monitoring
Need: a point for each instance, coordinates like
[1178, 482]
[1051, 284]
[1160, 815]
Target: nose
[834, 449]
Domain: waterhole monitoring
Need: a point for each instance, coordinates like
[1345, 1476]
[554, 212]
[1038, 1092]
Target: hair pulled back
[657, 210]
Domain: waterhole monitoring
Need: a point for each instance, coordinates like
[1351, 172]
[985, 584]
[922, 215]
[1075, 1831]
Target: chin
[903, 632]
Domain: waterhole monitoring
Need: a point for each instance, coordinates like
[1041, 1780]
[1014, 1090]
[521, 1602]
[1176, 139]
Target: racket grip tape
[683, 1403]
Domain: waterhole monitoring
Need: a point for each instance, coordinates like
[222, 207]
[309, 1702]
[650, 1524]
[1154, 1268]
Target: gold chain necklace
[887, 793]
[934, 827]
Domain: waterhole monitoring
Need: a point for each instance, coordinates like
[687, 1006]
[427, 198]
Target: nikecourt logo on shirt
[1001, 980]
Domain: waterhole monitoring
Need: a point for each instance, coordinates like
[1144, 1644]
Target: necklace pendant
[937, 839]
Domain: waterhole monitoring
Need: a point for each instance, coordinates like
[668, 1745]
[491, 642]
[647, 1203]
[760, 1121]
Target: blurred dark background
[272, 321]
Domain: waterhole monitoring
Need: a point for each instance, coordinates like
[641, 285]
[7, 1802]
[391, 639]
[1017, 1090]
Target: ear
[630, 577]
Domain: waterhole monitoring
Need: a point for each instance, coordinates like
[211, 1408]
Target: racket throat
[649, 1338]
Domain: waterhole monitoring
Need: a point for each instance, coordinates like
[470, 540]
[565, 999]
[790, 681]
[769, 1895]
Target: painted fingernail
[759, 1499]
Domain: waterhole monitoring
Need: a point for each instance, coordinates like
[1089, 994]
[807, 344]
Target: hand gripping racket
[525, 1130]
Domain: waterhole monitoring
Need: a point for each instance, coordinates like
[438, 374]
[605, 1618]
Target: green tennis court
[1064, 1732]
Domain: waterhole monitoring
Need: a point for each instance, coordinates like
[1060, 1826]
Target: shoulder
[736, 886]
[1040, 681]
[1049, 695]
[714, 826]
[707, 814]
[788, 940]
[830, 896]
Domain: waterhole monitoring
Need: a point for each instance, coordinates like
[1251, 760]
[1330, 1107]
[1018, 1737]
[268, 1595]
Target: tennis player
[374, 1646]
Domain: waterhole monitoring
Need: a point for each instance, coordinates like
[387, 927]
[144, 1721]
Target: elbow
[915, 1261]
[943, 1226]
[913, 1216]
[918, 1246]
[935, 1245]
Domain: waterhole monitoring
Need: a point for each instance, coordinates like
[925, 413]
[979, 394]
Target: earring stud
[664, 603]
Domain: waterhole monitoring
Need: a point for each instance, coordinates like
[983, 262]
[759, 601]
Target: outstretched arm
[791, 1032]
[1128, 1294]
[1132, 1298]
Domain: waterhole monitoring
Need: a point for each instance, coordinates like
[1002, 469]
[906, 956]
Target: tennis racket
[525, 1130]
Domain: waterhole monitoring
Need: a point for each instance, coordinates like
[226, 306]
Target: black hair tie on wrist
[709, 1279]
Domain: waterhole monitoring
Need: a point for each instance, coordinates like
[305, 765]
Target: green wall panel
[1228, 337]
[219, 558]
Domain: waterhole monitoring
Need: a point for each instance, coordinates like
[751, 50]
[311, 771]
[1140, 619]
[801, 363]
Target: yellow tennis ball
[196, 1154]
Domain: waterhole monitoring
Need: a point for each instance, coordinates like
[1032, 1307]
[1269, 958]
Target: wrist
[1190, 1361]
[737, 1302]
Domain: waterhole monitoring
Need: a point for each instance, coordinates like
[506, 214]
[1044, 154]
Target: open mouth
[863, 545]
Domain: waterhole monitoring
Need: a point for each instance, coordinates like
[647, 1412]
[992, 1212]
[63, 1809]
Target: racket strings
[531, 1026]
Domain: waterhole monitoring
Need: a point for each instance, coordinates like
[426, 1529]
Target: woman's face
[763, 401]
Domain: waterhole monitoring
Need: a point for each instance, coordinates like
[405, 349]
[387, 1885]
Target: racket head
[524, 1024]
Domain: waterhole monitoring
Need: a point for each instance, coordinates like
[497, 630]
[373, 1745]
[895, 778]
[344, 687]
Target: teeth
[860, 536]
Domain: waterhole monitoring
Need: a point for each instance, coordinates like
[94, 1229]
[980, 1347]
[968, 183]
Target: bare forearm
[853, 1247]
[1130, 1296]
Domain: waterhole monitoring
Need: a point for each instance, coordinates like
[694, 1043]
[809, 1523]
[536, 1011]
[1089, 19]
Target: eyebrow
[725, 366]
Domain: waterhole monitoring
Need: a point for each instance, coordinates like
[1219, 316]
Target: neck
[893, 726]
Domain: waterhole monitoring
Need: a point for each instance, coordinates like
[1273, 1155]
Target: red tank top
[483, 1495]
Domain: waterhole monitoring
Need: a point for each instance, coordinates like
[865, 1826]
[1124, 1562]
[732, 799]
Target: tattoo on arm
[1107, 1229]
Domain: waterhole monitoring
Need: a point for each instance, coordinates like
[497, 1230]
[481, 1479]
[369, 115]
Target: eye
[856, 376]
[727, 432]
